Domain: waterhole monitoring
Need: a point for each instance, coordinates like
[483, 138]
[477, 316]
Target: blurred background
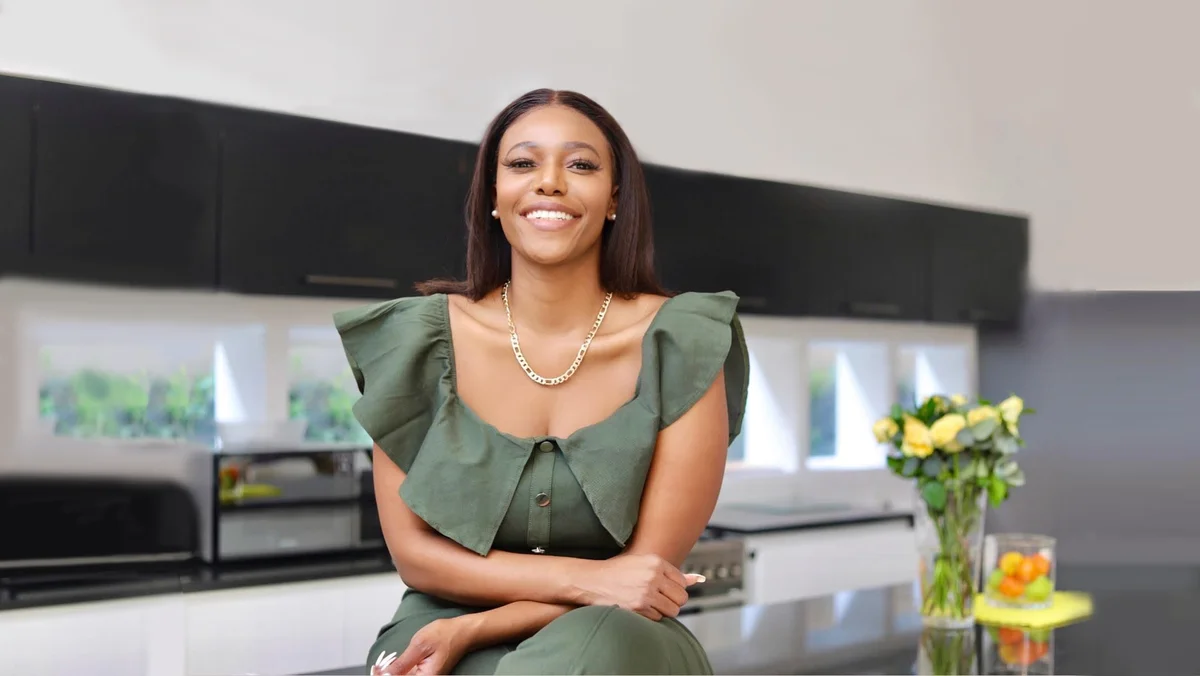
[910, 197]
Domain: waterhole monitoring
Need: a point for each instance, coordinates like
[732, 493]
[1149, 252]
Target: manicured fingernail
[699, 578]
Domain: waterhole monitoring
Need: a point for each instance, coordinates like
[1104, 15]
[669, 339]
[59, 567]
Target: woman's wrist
[572, 585]
[470, 629]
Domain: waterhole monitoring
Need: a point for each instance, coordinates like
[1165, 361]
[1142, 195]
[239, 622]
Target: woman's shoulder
[694, 337]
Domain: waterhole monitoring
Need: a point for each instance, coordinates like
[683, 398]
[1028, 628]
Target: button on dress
[575, 496]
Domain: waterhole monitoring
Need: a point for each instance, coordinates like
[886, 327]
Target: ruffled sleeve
[399, 356]
[693, 337]
[697, 336]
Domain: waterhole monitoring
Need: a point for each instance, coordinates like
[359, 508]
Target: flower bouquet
[960, 457]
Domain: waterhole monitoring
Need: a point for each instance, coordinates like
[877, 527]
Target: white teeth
[540, 214]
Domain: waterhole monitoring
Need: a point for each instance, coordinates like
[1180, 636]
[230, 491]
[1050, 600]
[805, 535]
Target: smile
[550, 219]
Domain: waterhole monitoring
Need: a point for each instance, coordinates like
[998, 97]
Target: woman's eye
[520, 164]
[583, 165]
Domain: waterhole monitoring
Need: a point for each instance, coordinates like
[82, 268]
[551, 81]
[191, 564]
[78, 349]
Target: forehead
[551, 127]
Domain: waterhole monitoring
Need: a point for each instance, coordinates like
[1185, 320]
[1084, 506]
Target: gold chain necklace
[516, 344]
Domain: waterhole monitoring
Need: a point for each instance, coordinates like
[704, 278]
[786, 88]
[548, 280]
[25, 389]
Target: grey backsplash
[1112, 462]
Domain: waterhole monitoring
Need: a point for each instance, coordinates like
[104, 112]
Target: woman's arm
[436, 565]
[684, 479]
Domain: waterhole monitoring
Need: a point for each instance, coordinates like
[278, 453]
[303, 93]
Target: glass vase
[949, 543]
[947, 652]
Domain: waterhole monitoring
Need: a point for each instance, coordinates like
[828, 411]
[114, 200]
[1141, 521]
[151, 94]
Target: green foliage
[93, 403]
[328, 409]
[822, 413]
[975, 459]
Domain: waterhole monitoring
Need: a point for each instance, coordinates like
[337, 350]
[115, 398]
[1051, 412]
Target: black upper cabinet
[979, 266]
[859, 256]
[124, 189]
[16, 132]
[317, 208]
[716, 233]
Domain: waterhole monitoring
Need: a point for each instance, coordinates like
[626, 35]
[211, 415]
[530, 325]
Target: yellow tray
[1066, 608]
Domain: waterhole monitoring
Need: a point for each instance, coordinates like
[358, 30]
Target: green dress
[567, 496]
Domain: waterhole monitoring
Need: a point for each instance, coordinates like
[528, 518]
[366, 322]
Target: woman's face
[554, 185]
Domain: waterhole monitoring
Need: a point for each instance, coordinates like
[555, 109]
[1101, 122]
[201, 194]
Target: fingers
[666, 606]
[672, 573]
[408, 660]
[674, 593]
[693, 578]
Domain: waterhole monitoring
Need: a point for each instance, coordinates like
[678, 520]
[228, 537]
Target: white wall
[1084, 114]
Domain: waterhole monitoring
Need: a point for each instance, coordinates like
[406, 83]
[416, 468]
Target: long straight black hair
[626, 244]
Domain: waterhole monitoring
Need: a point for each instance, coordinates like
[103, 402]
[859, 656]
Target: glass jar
[1019, 570]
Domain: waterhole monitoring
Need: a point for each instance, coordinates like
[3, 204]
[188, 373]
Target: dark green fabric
[570, 496]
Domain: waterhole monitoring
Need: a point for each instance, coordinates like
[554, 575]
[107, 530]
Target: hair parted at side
[627, 244]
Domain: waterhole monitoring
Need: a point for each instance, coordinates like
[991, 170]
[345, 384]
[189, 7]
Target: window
[125, 382]
[822, 402]
[906, 377]
[321, 387]
[846, 388]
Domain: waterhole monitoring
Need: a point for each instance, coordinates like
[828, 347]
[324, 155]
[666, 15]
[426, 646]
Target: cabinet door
[979, 266]
[716, 233]
[124, 188]
[318, 208]
[16, 129]
[863, 256]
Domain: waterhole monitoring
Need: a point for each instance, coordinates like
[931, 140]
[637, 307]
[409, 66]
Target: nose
[551, 181]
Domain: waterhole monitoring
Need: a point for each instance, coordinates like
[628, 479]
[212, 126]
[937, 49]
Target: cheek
[509, 189]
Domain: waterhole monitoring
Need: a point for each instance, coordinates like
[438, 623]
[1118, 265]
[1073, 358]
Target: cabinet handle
[752, 302]
[362, 282]
[875, 309]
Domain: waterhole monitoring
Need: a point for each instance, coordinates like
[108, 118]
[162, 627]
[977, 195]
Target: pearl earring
[612, 216]
[495, 214]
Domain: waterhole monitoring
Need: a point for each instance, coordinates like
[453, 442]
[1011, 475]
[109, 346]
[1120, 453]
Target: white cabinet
[136, 637]
[796, 565]
[290, 628]
[270, 629]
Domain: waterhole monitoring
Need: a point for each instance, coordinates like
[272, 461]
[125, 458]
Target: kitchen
[153, 339]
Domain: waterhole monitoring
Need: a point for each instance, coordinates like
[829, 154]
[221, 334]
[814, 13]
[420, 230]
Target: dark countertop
[82, 586]
[1145, 622]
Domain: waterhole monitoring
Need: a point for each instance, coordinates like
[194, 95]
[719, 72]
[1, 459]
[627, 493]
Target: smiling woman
[540, 522]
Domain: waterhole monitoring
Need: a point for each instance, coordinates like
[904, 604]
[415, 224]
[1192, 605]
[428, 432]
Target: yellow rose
[1010, 412]
[917, 440]
[944, 432]
[958, 400]
[978, 415]
[885, 429]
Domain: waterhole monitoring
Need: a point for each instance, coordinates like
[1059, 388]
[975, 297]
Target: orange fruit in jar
[1011, 587]
[1011, 562]
[1041, 563]
[1010, 636]
[1028, 571]
[1022, 654]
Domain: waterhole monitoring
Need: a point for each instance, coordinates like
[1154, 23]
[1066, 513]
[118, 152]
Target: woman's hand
[435, 649]
[646, 584]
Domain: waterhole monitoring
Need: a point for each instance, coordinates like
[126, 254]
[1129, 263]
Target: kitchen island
[1145, 623]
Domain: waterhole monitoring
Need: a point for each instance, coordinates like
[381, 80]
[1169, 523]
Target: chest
[492, 383]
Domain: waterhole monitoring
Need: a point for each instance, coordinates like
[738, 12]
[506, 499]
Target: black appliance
[61, 521]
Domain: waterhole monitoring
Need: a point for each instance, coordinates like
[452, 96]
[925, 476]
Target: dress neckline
[528, 442]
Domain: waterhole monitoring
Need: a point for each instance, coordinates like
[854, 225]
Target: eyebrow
[569, 145]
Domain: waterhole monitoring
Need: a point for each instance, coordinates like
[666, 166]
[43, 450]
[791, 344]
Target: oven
[721, 559]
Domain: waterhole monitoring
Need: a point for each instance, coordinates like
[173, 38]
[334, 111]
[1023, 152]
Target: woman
[550, 434]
